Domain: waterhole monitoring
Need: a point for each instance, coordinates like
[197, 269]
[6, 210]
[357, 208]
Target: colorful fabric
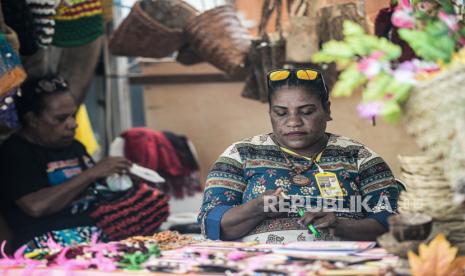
[79, 9]
[107, 6]
[78, 23]
[8, 114]
[12, 73]
[162, 153]
[84, 132]
[138, 212]
[65, 237]
[11, 37]
[43, 12]
[250, 167]
[19, 17]
[151, 149]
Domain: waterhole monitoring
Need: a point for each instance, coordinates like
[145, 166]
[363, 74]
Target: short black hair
[34, 94]
[317, 86]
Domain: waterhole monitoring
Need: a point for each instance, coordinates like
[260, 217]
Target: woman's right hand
[272, 203]
[109, 166]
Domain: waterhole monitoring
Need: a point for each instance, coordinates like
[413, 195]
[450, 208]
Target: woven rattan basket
[152, 29]
[218, 37]
[435, 116]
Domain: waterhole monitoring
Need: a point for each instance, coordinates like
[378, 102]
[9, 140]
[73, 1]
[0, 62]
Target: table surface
[369, 268]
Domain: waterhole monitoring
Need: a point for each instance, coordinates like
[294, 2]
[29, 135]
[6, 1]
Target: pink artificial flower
[403, 16]
[388, 96]
[237, 255]
[371, 66]
[377, 55]
[369, 110]
[406, 72]
[425, 66]
[18, 259]
[450, 20]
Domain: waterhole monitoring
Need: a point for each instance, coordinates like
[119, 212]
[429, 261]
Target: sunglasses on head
[301, 74]
[51, 85]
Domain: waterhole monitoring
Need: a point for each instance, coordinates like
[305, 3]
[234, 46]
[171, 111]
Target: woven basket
[187, 56]
[435, 116]
[218, 37]
[144, 32]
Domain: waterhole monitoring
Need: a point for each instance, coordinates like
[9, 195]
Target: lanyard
[313, 160]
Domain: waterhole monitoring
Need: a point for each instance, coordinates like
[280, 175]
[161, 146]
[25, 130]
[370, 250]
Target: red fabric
[151, 149]
[138, 212]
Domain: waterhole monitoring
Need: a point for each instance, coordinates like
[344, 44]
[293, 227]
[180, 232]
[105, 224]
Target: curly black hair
[34, 94]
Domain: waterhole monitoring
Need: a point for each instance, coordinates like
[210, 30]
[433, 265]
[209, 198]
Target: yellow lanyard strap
[317, 159]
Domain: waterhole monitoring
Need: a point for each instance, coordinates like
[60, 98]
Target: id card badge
[328, 184]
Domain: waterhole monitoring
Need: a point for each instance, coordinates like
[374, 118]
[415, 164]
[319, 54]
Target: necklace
[297, 171]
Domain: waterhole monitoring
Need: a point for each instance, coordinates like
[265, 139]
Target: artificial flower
[450, 20]
[370, 110]
[403, 16]
[371, 66]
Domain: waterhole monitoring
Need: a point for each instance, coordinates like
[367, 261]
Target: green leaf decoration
[376, 88]
[402, 91]
[352, 29]
[349, 80]
[358, 46]
[391, 50]
[334, 51]
[432, 44]
[391, 112]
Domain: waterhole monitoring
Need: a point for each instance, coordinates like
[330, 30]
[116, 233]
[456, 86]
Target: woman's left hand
[320, 220]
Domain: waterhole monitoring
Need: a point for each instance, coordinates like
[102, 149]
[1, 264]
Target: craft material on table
[326, 248]
[144, 255]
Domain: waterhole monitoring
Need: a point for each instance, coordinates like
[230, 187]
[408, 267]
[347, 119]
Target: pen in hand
[311, 227]
[301, 212]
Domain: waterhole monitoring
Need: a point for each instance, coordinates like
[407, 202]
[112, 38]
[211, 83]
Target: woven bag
[187, 56]
[137, 212]
[302, 32]
[152, 30]
[77, 23]
[330, 26]
[435, 113]
[268, 51]
[18, 16]
[218, 37]
[11, 71]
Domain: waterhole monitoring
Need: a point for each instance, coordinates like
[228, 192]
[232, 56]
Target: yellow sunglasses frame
[301, 74]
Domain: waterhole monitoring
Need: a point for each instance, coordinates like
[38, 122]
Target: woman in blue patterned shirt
[347, 190]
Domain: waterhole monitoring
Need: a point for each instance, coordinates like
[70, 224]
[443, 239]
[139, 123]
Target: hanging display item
[157, 27]
[43, 12]
[302, 31]
[10, 35]
[12, 75]
[77, 23]
[267, 52]
[11, 72]
[218, 37]
[187, 56]
[18, 16]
